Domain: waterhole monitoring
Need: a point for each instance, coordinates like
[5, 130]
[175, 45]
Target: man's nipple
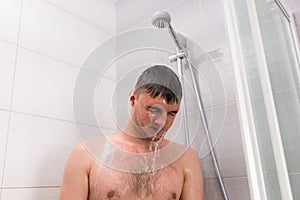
[111, 194]
[174, 195]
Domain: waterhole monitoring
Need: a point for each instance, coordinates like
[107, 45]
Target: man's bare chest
[106, 183]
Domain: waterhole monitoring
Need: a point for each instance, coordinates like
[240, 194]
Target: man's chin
[151, 134]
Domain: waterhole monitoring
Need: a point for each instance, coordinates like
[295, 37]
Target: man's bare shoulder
[190, 153]
[179, 153]
[181, 149]
[77, 171]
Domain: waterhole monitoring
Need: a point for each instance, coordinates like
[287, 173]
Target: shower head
[161, 19]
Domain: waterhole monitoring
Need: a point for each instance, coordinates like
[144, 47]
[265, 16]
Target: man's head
[160, 80]
[155, 101]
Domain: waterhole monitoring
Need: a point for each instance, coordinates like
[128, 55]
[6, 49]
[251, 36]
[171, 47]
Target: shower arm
[176, 40]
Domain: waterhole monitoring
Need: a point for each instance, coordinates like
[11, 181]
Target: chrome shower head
[161, 19]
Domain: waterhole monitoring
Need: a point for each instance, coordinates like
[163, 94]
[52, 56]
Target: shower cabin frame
[256, 180]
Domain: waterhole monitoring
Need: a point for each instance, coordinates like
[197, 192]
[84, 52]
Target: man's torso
[106, 183]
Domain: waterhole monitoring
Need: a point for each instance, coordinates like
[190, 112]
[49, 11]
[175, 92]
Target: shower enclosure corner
[265, 57]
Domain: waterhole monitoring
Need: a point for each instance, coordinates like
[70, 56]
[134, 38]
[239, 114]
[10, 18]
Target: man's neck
[128, 139]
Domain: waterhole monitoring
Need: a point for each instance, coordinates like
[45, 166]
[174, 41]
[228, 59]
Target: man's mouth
[155, 129]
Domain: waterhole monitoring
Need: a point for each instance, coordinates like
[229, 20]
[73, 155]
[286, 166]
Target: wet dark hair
[160, 80]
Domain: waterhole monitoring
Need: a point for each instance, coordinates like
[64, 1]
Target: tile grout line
[53, 58]
[8, 42]
[32, 187]
[79, 18]
[63, 62]
[11, 100]
[57, 119]
[228, 177]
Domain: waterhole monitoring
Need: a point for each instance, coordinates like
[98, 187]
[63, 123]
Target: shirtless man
[137, 162]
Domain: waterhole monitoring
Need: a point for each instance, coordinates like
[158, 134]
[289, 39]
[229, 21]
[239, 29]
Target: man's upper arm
[193, 177]
[75, 180]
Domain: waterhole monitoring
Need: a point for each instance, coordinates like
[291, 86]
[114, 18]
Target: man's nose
[160, 118]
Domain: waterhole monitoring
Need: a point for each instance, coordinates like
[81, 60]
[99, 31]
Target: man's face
[152, 117]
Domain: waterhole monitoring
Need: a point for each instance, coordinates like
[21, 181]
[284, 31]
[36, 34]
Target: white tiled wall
[9, 20]
[97, 13]
[31, 193]
[230, 147]
[54, 32]
[104, 103]
[37, 150]
[4, 120]
[42, 47]
[7, 68]
[39, 78]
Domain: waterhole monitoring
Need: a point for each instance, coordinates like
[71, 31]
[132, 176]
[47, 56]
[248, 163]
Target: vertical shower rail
[206, 130]
[179, 57]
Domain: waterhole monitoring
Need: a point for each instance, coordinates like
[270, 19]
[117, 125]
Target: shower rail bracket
[181, 54]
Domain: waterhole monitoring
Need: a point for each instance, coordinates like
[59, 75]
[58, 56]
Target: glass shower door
[267, 75]
[283, 67]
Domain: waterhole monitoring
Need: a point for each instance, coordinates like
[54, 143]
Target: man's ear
[132, 97]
